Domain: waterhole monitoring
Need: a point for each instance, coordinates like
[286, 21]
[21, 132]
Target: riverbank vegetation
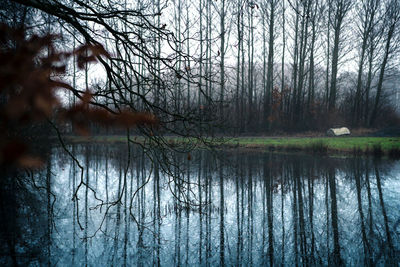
[377, 146]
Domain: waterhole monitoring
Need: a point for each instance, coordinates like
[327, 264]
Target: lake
[233, 208]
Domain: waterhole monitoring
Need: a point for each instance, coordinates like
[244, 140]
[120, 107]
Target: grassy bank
[358, 145]
[365, 145]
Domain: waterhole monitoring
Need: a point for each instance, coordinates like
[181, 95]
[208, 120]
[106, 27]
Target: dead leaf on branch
[27, 85]
[89, 53]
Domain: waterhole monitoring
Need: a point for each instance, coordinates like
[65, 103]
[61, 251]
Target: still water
[146, 208]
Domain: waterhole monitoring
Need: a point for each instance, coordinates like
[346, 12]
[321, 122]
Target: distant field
[311, 144]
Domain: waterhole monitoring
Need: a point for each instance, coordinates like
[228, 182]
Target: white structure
[338, 131]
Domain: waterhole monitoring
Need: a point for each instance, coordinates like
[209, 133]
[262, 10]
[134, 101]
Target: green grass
[346, 144]
[368, 145]
[101, 139]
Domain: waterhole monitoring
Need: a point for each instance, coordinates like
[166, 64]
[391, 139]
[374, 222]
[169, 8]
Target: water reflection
[237, 209]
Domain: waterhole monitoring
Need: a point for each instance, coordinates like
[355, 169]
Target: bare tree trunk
[264, 72]
[369, 81]
[303, 49]
[250, 47]
[270, 71]
[199, 98]
[295, 66]
[315, 9]
[341, 9]
[367, 17]
[239, 46]
[391, 22]
[284, 97]
[328, 55]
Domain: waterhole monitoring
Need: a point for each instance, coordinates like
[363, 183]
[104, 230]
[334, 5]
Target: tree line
[308, 65]
[245, 66]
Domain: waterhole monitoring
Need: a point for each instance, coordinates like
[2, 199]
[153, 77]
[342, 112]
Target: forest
[134, 133]
[233, 67]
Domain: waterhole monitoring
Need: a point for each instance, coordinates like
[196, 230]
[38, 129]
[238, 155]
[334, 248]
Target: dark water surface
[240, 208]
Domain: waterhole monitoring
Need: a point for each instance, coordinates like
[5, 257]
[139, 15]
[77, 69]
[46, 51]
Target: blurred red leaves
[89, 53]
[82, 114]
[30, 70]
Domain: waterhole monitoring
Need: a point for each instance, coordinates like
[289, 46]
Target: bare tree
[391, 22]
[367, 13]
[271, 14]
[340, 9]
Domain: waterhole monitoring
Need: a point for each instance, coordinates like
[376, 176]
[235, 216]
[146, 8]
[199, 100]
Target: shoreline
[376, 146]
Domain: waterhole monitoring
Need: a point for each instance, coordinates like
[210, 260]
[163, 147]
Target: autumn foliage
[30, 77]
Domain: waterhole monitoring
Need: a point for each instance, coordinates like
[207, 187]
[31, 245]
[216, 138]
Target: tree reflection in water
[235, 208]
